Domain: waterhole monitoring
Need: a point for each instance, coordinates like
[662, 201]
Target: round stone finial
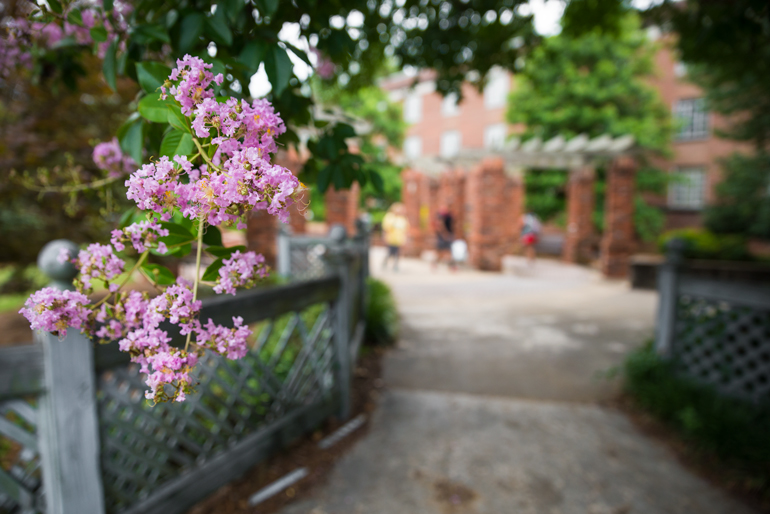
[61, 273]
[337, 233]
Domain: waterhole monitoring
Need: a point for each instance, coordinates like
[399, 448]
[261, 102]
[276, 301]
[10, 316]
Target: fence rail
[76, 435]
[715, 332]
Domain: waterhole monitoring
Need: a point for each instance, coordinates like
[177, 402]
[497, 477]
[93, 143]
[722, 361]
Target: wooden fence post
[667, 297]
[339, 260]
[69, 431]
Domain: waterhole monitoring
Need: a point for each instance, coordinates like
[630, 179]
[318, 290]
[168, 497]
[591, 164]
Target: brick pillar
[451, 193]
[580, 208]
[411, 185]
[342, 207]
[429, 210]
[515, 195]
[489, 220]
[262, 234]
[293, 162]
[618, 240]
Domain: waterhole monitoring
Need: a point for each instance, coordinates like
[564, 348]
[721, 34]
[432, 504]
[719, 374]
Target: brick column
[262, 234]
[429, 210]
[342, 207]
[451, 193]
[411, 185]
[618, 240]
[489, 214]
[293, 162]
[580, 208]
[514, 198]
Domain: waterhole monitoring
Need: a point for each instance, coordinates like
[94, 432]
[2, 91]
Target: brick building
[441, 127]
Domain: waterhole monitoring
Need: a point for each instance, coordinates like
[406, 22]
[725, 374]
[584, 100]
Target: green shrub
[381, 314]
[735, 431]
[702, 244]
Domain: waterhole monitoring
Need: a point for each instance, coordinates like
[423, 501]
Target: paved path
[490, 405]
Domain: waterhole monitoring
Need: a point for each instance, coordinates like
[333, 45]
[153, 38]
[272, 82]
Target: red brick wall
[411, 195]
[618, 240]
[490, 214]
[293, 162]
[261, 235]
[429, 210]
[342, 207]
[580, 206]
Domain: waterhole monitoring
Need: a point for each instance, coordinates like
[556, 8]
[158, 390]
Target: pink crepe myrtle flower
[324, 67]
[230, 342]
[171, 367]
[53, 310]
[109, 157]
[142, 235]
[240, 270]
[100, 262]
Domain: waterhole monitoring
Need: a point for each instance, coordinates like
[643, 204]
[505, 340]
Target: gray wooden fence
[76, 435]
[716, 332]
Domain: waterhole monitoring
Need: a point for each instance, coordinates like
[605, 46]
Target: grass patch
[381, 314]
[732, 434]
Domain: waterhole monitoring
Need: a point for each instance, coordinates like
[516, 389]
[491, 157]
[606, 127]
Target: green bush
[702, 244]
[735, 431]
[381, 314]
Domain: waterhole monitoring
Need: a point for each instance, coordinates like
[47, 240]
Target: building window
[450, 143]
[494, 136]
[692, 117]
[496, 90]
[413, 108]
[449, 105]
[412, 147]
[687, 189]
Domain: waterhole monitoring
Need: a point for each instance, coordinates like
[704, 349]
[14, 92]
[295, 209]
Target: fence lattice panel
[724, 344]
[290, 365]
[20, 482]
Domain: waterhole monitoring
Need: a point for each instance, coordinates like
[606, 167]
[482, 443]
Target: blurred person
[459, 252]
[395, 227]
[530, 233]
[444, 226]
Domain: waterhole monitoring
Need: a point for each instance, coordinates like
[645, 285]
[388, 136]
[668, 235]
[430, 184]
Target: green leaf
[344, 131]
[109, 67]
[179, 251]
[151, 75]
[131, 137]
[253, 54]
[75, 17]
[279, 69]
[299, 53]
[213, 237]
[146, 33]
[218, 28]
[152, 108]
[161, 275]
[177, 142]
[221, 251]
[176, 119]
[55, 6]
[212, 272]
[99, 34]
[107, 4]
[267, 7]
[324, 178]
[377, 181]
[177, 230]
[128, 217]
[190, 30]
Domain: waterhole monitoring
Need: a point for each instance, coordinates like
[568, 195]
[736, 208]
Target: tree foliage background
[592, 79]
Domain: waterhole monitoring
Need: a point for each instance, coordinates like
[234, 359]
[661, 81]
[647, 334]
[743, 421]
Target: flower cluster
[142, 235]
[110, 158]
[230, 342]
[100, 262]
[240, 270]
[238, 178]
[21, 35]
[52, 310]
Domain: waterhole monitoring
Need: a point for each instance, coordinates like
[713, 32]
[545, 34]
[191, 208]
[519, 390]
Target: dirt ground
[233, 498]
[14, 329]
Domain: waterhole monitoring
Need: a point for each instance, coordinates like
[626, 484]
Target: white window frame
[692, 112]
[451, 142]
[497, 88]
[494, 136]
[413, 147]
[449, 106]
[687, 188]
[413, 107]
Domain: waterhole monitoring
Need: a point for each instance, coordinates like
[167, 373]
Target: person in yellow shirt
[394, 227]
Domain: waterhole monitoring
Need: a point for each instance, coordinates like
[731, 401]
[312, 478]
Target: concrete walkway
[490, 405]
